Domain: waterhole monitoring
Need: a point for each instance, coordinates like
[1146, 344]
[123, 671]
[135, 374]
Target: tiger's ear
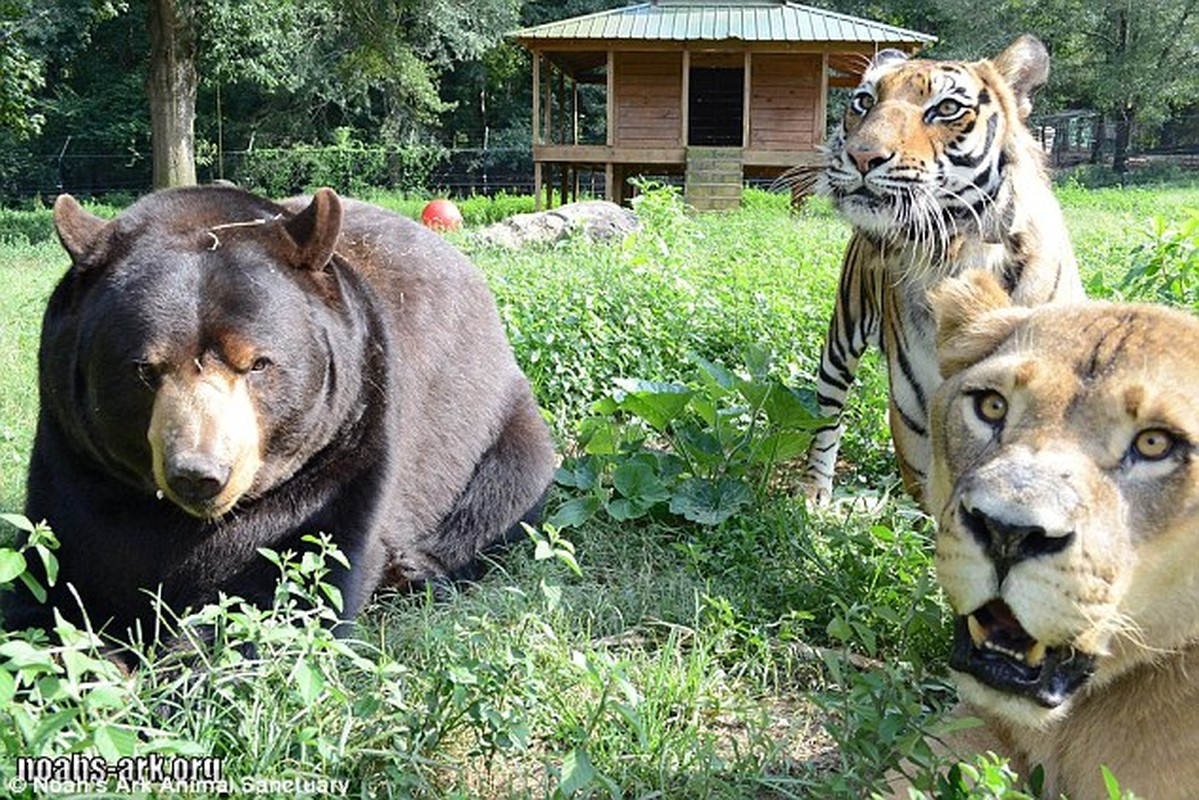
[974, 316]
[888, 56]
[1024, 64]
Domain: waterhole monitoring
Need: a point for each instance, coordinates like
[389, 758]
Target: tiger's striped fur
[936, 171]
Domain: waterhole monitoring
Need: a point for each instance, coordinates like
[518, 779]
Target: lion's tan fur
[1080, 382]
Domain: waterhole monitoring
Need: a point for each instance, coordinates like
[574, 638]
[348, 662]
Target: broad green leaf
[18, 521]
[577, 772]
[710, 502]
[106, 696]
[598, 436]
[780, 447]
[12, 564]
[699, 445]
[623, 509]
[575, 512]
[787, 409]
[656, 403]
[50, 725]
[712, 374]
[637, 481]
[114, 742]
[758, 361]
[309, 681]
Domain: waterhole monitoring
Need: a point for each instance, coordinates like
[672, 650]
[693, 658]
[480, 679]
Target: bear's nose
[196, 477]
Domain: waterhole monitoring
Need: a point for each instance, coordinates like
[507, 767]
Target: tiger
[936, 171]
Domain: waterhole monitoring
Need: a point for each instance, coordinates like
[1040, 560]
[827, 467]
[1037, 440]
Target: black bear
[220, 373]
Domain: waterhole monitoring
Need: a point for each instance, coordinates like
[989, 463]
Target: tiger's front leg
[853, 327]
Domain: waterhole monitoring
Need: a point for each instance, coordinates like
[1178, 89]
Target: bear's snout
[205, 440]
[196, 478]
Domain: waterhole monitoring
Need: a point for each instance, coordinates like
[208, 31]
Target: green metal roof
[717, 20]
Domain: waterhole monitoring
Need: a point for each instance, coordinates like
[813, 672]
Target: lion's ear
[1024, 64]
[315, 230]
[974, 316]
[80, 231]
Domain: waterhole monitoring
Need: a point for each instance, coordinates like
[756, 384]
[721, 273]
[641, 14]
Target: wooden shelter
[714, 90]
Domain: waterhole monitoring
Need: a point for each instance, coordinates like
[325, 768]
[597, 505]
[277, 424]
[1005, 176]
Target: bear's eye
[260, 364]
[991, 407]
[862, 102]
[1153, 444]
[148, 373]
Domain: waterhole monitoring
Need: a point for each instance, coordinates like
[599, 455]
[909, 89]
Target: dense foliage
[408, 80]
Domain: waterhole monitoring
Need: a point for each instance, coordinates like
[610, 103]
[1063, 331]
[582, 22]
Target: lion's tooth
[1036, 654]
[978, 634]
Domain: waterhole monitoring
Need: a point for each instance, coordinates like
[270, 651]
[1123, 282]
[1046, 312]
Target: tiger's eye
[991, 407]
[1153, 444]
[862, 102]
[948, 107]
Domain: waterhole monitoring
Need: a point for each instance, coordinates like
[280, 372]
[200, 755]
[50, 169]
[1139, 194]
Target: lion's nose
[196, 477]
[1007, 544]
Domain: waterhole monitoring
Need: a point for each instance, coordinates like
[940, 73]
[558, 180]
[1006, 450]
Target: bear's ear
[315, 230]
[1024, 64]
[79, 230]
[974, 316]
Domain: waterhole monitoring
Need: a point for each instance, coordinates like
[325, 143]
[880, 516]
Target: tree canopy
[79, 77]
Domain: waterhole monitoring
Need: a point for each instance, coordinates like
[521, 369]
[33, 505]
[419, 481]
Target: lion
[1065, 484]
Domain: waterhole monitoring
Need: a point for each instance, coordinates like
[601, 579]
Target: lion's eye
[948, 108]
[991, 407]
[1153, 444]
[862, 102]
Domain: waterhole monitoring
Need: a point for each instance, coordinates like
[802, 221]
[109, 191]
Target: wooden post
[610, 191]
[536, 129]
[536, 97]
[560, 90]
[745, 104]
[611, 99]
[536, 185]
[574, 105]
[683, 135]
[548, 102]
[821, 122]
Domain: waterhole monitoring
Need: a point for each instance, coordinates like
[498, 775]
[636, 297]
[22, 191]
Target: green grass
[778, 654]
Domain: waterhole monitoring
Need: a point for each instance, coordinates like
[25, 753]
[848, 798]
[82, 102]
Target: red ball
[441, 215]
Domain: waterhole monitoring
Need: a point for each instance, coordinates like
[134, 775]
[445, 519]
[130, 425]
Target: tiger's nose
[867, 157]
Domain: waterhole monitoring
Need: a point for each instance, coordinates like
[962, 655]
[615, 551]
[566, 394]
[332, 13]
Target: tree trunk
[171, 88]
[1123, 136]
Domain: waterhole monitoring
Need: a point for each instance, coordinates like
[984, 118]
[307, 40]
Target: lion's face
[1066, 486]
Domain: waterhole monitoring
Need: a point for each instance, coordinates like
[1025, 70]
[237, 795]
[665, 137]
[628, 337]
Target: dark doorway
[717, 98]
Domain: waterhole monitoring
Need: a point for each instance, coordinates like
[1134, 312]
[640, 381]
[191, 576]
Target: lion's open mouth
[991, 645]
